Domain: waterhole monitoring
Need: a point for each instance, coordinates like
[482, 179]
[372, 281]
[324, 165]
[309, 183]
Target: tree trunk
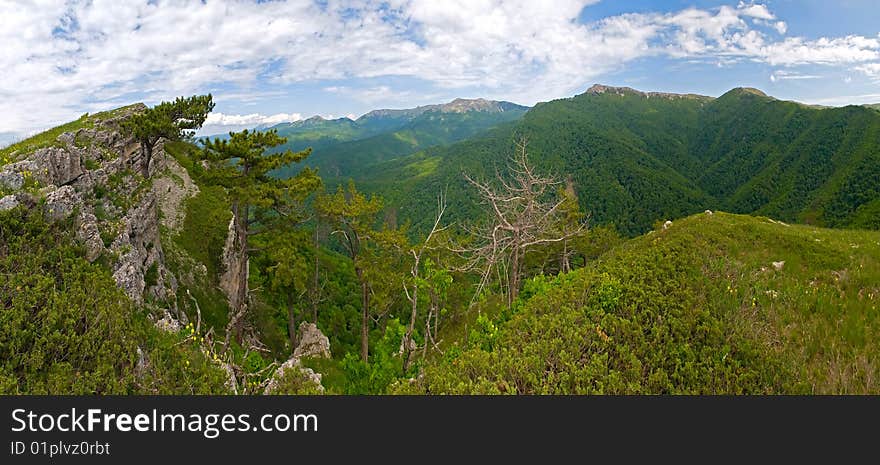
[241, 235]
[315, 296]
[565, 262]
[435, 309]
[365, 315]
[412, 323]
[291, 324]
[513, 280]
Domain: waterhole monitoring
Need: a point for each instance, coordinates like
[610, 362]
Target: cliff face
[88, 176]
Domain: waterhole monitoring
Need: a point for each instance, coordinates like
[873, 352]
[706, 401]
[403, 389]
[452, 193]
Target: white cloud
[253, 119]
[781, 27]
[846, 100]
[782, 75]
[62, 58]
[871, 69]
[219, 123]
[753, 10]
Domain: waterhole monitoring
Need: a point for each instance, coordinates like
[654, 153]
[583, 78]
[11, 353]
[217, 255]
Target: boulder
[10, 179]
[293, 363]
[312, 342]
[8, 203]
[89, 234]
[778, 265]
[168, 323]
[62, 202]
[56, 165]
[709, 212]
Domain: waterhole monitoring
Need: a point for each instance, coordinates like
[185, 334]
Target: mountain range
[635, 158]
[343, 147]
[678, 296]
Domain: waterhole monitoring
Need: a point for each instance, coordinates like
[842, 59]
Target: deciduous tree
[352, 216]
[523, 212]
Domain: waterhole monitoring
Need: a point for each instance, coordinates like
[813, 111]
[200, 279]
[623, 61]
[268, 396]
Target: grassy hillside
[49, 137]
[636, 158]
[697, 308]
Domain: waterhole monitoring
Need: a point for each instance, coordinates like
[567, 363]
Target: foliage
[384, 367]
[697, 308]
[67, 329]
[343, 148]
[171, 121]
[241, 166]
[634, 160]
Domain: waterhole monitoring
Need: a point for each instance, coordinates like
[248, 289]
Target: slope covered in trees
[635, 158]
[343, 148]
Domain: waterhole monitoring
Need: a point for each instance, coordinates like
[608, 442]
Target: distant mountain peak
[598, 89]
[751, 90]
[459, 105]
[747, 92]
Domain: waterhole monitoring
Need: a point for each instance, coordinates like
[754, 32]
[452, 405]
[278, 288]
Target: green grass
[697, 308]
[43, 139]
[49, 138]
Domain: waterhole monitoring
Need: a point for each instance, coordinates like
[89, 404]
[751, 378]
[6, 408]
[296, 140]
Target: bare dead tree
[417, 253]
[524, 212]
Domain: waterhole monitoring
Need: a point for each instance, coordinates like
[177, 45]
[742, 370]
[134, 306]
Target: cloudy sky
[273, 61]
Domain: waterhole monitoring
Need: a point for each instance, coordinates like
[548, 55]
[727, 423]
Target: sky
[268, 62]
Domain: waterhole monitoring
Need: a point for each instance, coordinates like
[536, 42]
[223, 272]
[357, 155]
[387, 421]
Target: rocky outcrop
[8, 202]
[308, 376]
[234, 264]
[312, 342]
[599, 89]
[140, 254]
[11, 178]
[89, 234]
[58, 166]
[168, 323]
[172, 188]
[90, 173]
[62, 202]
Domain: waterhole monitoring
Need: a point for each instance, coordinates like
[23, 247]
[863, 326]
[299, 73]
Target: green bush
[66, 328]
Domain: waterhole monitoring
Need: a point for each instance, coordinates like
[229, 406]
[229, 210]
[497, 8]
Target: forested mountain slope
[635, 158]
[343, 147]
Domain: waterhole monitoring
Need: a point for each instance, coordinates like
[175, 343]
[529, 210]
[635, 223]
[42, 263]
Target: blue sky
[268, 62]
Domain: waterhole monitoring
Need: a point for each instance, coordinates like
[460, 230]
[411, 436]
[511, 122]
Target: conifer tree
[260, 201]
[170, 121]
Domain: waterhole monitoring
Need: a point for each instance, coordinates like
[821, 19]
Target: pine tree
[170, 121]
[260, 201]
